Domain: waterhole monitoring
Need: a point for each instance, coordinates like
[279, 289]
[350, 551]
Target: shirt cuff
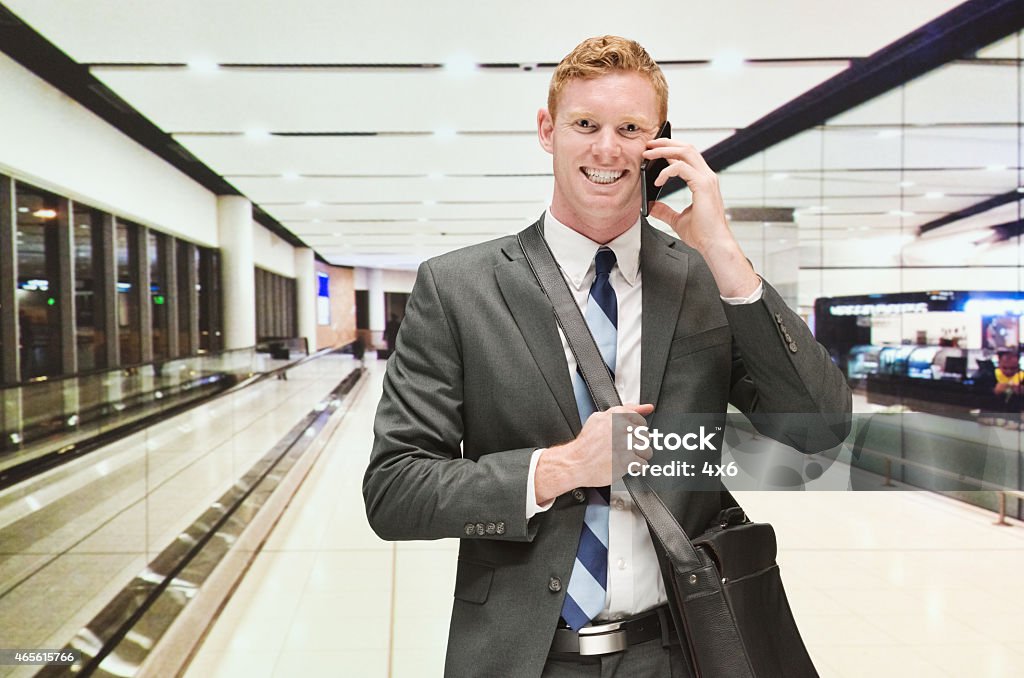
[754, 296]
[532, 507]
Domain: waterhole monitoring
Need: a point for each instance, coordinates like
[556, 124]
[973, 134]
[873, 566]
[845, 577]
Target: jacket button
[579, 495]
[778, 318]
[792, 346]
[470, 528]
[491, 527]
[500, 528]
[554, 585]
[480, 529]
[789, 338]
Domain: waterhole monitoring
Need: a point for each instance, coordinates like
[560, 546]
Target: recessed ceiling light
[45, 214]
[429, 202]
[203, 66]
[906, 184]
[900, 213]
[445, 133]
[888, 133]
[933, 195]
[1020, 189]
[435, 175]
[779, 176]
[257, 134]
[727, 61]
[23, 210]
[312, 203]
[995, 168]
[460, 65]
[290, 176]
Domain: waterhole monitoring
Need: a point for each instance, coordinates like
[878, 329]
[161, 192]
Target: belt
[615, 636]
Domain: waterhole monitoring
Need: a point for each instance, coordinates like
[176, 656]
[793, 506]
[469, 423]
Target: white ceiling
[444, 167]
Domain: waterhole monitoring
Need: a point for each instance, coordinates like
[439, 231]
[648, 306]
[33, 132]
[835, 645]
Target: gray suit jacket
[479, 381]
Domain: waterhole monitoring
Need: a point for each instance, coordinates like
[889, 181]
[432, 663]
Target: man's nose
[606, 144]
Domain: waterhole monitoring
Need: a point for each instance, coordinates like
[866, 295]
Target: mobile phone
[649, 171]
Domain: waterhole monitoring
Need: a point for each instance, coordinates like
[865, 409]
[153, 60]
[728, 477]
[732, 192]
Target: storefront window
[38, 286]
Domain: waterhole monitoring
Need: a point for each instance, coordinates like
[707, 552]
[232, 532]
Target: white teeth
[603, 176]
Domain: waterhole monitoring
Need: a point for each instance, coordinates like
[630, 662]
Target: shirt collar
[575, 252]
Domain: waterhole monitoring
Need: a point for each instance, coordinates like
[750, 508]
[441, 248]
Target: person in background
[1007, 389]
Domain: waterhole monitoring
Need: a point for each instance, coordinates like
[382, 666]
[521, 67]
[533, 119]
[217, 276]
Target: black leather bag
[728, 600]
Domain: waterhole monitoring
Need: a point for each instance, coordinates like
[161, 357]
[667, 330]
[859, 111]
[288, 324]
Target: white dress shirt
[634, 577]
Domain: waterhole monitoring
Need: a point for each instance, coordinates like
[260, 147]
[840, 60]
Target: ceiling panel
[416, 188]
[407, 212]
[401, 189]
[407, 100]
[404, 31]
[406, 155]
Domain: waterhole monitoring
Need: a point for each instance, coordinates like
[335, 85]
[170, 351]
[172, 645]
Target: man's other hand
[588, 460]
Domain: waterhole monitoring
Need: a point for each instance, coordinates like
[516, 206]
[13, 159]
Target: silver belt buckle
[603, 639]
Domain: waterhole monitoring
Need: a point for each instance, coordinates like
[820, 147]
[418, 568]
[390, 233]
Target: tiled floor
[882, 583]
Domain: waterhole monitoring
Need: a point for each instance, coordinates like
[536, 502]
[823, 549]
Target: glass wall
[90, 311]
[38, 285]
[902, 245]
[917, 193]
[71, 279]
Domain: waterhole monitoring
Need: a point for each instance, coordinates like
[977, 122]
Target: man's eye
[584, 123]
[631, 128]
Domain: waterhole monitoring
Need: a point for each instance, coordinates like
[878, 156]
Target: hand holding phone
[649, 171]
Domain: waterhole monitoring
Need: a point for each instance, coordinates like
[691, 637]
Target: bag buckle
[733, 515]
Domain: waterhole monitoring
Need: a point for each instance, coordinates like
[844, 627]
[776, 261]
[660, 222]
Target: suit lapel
[535, 318]
[664, 279]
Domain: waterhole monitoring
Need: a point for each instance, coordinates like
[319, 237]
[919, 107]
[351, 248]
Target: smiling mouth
[598, 176]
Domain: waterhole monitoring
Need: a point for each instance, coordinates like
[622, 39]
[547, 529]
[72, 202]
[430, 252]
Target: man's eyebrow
[580, 113]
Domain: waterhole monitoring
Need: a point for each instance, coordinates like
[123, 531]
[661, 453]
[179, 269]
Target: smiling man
[486, 433]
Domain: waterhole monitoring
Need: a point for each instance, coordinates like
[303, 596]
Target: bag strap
[602, 389]
[581, 342]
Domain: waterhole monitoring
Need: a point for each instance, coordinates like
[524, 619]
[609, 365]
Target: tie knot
[604, 261]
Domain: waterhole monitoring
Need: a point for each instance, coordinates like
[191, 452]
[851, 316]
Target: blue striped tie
[585, 597]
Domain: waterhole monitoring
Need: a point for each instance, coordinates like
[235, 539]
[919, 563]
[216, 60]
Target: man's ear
[545, 129]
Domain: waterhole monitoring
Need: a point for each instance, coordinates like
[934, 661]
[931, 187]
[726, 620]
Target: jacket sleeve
[418, 484]
[783, 379]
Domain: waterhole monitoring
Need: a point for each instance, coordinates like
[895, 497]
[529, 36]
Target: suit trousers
[653, 659]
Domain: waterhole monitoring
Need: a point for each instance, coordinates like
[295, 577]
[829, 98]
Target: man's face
[603, 126]
[1009, 363]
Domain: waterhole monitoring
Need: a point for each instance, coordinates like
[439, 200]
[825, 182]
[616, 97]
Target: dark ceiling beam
[22, 43]
[957, 34]
[971, 210]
